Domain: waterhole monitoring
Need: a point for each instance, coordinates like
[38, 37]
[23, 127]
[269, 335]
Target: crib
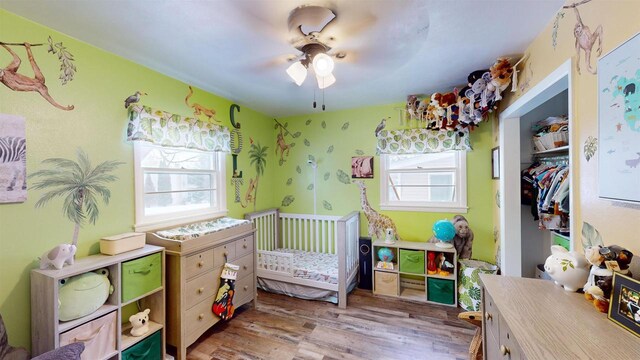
[310, 254]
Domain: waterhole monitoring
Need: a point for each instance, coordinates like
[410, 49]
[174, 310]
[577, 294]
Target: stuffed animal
[140, 323]
[436, 112]
[422, 113]
[599, 283]
[445, 102]
[58, 256]
[501, 73]
[463, 240]
[412, 107]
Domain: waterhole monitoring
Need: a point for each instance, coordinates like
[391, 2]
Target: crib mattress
[192, 231]
[314, 266]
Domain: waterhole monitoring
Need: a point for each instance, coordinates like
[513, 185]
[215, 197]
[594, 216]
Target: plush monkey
[463, 241]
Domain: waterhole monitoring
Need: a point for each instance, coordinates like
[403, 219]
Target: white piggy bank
[568, 269]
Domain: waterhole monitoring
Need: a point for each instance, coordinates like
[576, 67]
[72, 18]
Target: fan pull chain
[323, 95]
[314, 97]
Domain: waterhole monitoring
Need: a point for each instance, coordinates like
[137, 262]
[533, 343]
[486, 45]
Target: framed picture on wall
[362, 167]
[495, 162]
[624, 308]
[13, 159]
[619, 122]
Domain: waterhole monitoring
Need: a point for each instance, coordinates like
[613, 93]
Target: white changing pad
[314, 266]
[192, 231]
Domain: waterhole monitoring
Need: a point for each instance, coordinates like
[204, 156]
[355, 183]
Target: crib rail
[275, 263]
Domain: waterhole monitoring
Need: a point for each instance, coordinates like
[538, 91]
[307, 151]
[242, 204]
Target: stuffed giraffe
[378, 223]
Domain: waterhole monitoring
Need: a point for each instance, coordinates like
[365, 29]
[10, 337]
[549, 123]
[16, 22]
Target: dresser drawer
[509, 348]
[200, 317]
[141, 276]
[201, 287]
[491, 315]
[246, 265]
[244, 290]
[224, 253]
[244, 246]
[386, 283]
[199, 263]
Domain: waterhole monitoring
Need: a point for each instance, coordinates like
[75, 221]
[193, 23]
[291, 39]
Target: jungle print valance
[421, 141]
[166, 129]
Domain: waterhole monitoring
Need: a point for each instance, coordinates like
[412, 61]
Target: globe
[444, 230]
[385, 254]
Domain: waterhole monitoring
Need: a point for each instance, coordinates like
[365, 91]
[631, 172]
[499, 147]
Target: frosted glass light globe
[323, 65]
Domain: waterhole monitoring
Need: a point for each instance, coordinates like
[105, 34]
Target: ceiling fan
[308, 22]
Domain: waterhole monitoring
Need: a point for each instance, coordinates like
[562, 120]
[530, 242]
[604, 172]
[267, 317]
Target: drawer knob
[245, 267]
[246, 287]
[226, 254]
[201, 290]
[201, 264]
[201, 316]
[488, 316]
[244, 246]
[504, 350]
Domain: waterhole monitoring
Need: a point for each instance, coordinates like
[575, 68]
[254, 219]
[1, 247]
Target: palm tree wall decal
[79, 184]
[258, 158]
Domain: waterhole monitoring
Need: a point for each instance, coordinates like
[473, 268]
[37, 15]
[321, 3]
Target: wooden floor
[371, 327]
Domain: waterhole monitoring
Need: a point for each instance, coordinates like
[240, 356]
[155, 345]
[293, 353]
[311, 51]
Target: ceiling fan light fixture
[325, 81]
[323, 65]
[297, 72]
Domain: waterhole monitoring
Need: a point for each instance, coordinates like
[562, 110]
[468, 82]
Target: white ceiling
[238, 48]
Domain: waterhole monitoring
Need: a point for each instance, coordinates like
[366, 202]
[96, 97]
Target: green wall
[97, 125]
[344, 198]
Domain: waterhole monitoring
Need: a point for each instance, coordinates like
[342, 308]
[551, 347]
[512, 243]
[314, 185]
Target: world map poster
[619, 122]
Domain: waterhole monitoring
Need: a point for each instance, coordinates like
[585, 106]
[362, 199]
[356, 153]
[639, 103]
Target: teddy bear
[140, 323]
[501, 73]
[446, 102]
[436, 112]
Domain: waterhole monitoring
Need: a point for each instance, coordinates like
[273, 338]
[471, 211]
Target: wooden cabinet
[194, 267]
[104, 332]
[536, 319]
[409, 277]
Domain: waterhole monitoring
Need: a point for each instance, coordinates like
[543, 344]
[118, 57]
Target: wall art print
[16, 81]
[362, 167]
[619, 122]
[13, 159]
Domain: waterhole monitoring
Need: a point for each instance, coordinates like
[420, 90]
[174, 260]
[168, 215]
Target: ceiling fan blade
[308, 19]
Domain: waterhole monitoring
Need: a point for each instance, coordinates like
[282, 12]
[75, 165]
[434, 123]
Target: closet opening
[536, 186]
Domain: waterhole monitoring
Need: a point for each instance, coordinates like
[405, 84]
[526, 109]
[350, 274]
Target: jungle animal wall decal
[133, 99]
[199, 109]
[79, 184]
[257, 158]
[281, 143]
[378, 223]
[15, 81]
[585, 39]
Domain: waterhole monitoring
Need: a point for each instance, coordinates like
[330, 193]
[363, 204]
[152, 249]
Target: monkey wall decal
[585, 39]
[15, 81]
[200, 109]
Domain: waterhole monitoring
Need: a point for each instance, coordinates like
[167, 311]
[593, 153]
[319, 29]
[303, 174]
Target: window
[175, 185]
[424, 182]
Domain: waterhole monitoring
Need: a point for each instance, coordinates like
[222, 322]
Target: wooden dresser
[193, 278]
[536, 319]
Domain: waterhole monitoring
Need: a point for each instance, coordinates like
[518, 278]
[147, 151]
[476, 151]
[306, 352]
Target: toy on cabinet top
[463, 240]
[390, 237]
[604, 261]
[83, 294]
[444, 232]
[58, 256]
[140, 323]
[567, 269]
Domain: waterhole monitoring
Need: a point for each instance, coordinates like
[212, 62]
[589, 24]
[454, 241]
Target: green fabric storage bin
[141, 276]
[147, 349]
[412, 261]
[441, 291]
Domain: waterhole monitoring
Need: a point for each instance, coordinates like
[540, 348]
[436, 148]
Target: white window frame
[458, 206]
[153, 222]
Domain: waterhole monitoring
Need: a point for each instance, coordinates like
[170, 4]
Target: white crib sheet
[314, 266]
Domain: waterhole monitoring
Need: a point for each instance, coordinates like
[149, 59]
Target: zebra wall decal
[14, 150]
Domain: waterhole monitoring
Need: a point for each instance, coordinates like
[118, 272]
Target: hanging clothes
[546, 189]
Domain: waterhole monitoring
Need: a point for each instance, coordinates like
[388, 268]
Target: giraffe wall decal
[378, 223]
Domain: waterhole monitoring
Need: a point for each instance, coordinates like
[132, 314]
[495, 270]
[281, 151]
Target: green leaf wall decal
[330, 149]
[298, 169]
[343, 177]
[307, 143]
[359, 152]
[288, 200]
[310, 187]
[289, 181]
[327, 205]
[324, 124]
[345, 126]
[308, 122]
[326, 176]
